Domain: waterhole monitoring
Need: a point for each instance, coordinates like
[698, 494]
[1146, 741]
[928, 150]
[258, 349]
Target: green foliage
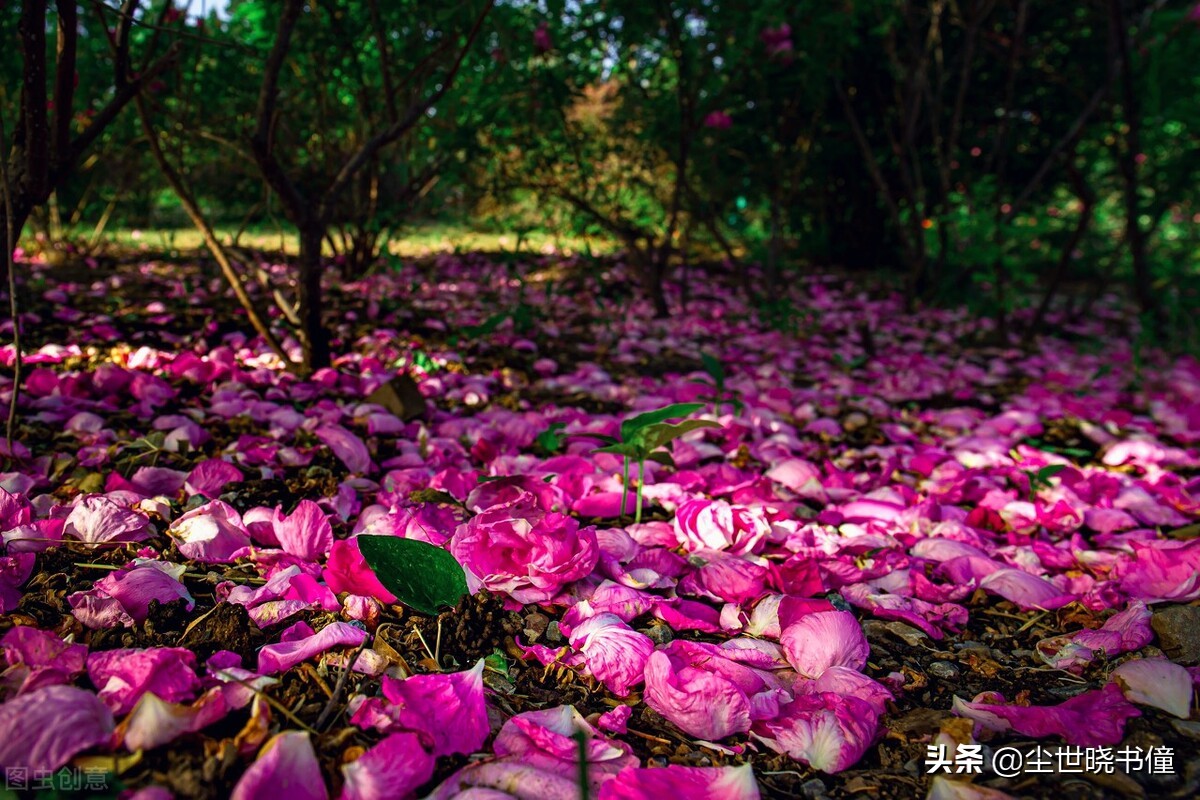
[642, 438]
[422, 576]
[1041, 478]
[602, 129]
[719, 397]
[551, 440]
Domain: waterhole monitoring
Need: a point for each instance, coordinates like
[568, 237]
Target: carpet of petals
[900, 535]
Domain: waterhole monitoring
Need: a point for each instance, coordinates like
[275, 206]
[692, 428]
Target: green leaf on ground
[422, 576]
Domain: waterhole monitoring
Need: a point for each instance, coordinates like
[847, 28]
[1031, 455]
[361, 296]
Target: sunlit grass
[421, 240]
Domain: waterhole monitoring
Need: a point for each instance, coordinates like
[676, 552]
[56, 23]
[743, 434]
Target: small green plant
[585, 787]
[1041, 478]
[422, 576]
[552, 439]
[642, 438]
[720, 395]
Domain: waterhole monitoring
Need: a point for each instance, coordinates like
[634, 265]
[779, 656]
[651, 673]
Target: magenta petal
[391, 770]
[1156, 682]
[1027, 591]
[694, 783]
[825, 639]
[123, 676]
[346, 446]
[614, 653]
[306, 533]
[45, 728]
[943, 788]
[212, 532]
[1159, 571]
[14, 571]
[155, 722]
[449, 708]
[727, 578]
[37, 658]
[545, 740]
[287, 768]
[346, 571]
[825, 730]
[1091, 719]
[615, 721]
[123, 597]
[848, 682]
[1120, 633]
[506, 780]
[282, 656]
[210, 477]
[98, 519]
[701, 703]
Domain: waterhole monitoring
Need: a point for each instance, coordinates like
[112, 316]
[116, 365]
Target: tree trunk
[1127, 157]
[21, 210]
[309, 300]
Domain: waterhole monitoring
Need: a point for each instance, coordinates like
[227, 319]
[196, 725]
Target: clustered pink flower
[523, 551]
[718, 120]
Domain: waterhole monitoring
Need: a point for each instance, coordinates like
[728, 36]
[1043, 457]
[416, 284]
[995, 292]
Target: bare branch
[393, 132]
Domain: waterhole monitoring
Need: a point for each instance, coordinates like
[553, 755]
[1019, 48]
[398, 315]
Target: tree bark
[1128, 166]
[309, 300]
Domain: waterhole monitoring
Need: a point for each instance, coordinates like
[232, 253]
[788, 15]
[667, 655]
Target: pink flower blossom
[346, 571]
[825, 639]
[704, 693]
[38, 658]
[542, 42]
[545, 740]
[275, 658]
[96, 518]
[391, 770]
[123, 597]
[716, 525]
[718, 120]
[447, 710]
[212, 532]
[523, 551]
[209, 477]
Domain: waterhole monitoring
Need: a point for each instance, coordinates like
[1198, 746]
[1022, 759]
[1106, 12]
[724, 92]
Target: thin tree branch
[410, 118]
